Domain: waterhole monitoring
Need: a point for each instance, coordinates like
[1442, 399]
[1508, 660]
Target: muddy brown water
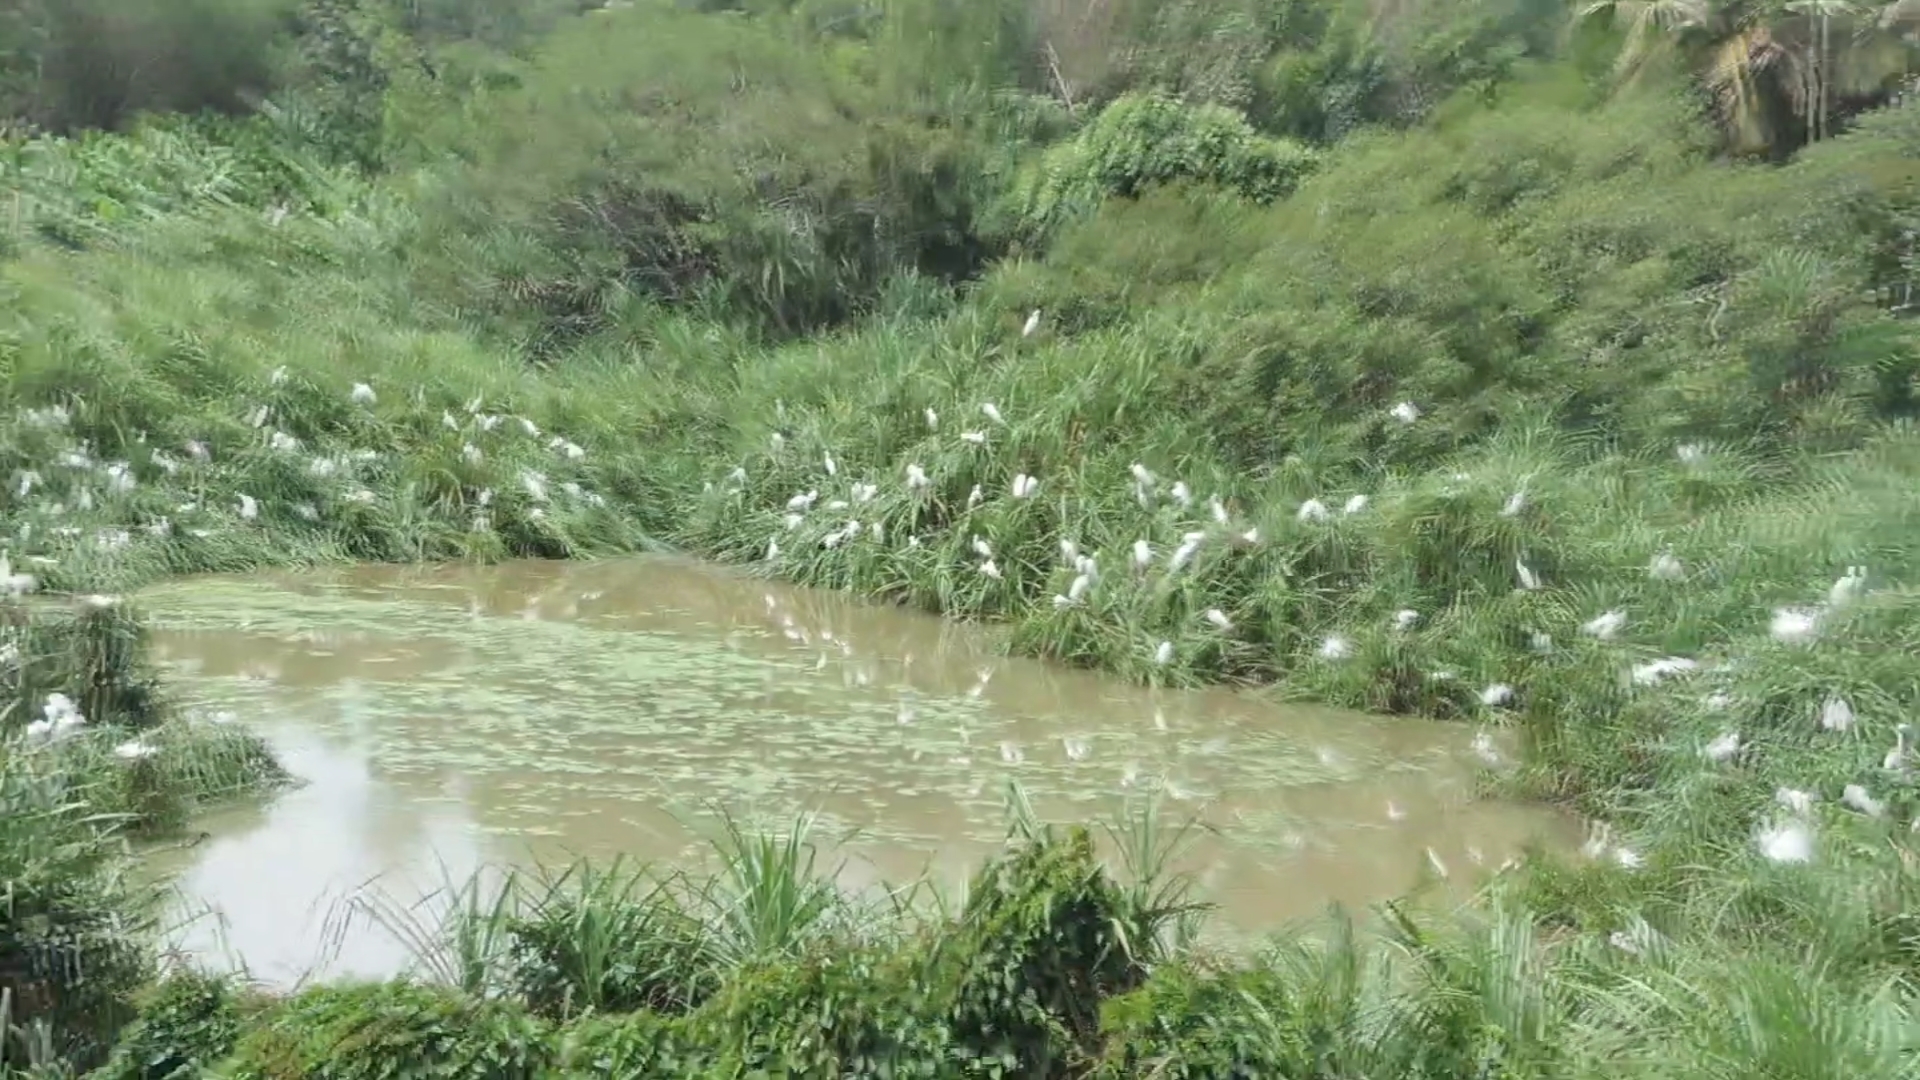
[449, 718]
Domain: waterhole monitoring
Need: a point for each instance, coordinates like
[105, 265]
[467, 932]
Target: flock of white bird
[1086, 571]
[61, 717]
[1075, 748]
[119, 477]
[1788, 839]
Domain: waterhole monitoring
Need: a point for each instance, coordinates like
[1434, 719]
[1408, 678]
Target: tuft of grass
[770, 898]
[90, 757]
[1160, 916]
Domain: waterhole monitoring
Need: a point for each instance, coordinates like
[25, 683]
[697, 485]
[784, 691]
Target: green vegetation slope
[1393, 359]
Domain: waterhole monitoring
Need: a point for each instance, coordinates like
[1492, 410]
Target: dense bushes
[72, 64]
[88, 755]
[1144, 141]
[1012, 984]
[782, 170]
[1495, 264]
[662, 158]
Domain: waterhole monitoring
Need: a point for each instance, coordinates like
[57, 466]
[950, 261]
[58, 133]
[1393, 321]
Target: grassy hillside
[1488, 395]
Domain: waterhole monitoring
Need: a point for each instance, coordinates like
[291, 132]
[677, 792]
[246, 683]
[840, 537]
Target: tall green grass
[619, 971]
[90, 758]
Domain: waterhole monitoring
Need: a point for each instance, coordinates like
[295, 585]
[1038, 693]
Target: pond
[453, 717]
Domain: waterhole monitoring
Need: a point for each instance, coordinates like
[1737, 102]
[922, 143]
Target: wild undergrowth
[1051, 963]
[1196, 345]
[90, 757]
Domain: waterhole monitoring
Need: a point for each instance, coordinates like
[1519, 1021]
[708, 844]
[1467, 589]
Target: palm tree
[1779, 72]
[1848, 51]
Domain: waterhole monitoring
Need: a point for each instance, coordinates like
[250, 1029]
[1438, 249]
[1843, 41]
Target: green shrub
[1141, 140]
[75, 64]
[607, 940]
[1036, 950]
[662, 158]
[389, 1030]
[629, 1046]
[186, 1024]
[1195, 1023]
[345, 74]
[843, 1012]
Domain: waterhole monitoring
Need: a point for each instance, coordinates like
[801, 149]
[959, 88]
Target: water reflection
[459, 715]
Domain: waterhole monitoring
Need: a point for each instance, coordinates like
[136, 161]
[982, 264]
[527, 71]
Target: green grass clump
[188, 1022]
[370, 1030]
[85, 190]
[1141, 141]
[79, 704]
[89, 757]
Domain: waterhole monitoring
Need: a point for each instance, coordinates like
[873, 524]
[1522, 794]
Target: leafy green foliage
[609, 940]
[1187, 1022]
[848, 1012]
[72, 64]
[186, 1024]
[1037, 950]
[1142, 140]
[339, 46]
[627, 1046]
[656, 157]
[388, 1030]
